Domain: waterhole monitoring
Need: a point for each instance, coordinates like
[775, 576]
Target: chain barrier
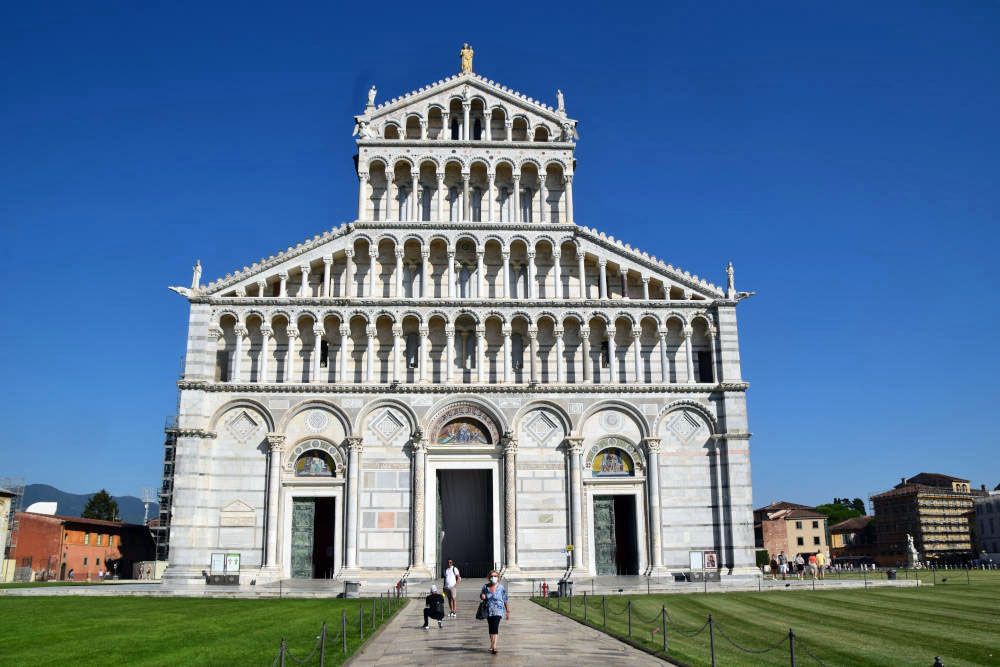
[781, 642]
[804, 648]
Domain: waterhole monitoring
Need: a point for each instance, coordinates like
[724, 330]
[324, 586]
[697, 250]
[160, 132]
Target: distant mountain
[72, 504]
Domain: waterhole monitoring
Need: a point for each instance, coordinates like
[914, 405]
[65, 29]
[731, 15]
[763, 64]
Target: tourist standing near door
[452, 577]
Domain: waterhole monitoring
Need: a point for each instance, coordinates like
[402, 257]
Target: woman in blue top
[495, 596]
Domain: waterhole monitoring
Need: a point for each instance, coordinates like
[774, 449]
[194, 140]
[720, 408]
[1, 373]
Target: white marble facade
[477, 298]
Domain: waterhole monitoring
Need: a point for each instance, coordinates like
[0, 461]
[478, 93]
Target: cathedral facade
[461, 372]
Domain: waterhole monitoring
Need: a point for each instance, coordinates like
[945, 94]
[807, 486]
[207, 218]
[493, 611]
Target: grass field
[880, 626]
[86, 630]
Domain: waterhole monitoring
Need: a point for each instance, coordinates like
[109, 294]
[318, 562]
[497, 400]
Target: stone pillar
[283, 284]
[624, 273]
[345, 341]
[612, 364]
[557, 271]
[362, 193]
[304, 289]
[653, 494]
[516, 194]
[466, 203]
[504, 274]
[569, 198]
[275, 445]
[585, 350]
[265, 342]
[464, 354]
[711, 347]
[449, 349]
[293, 337]
[581, 270]
[423, 354]
[489, 191]
[466, 135]
[419, 445]
[560, 364]
[533, 352]
[348, 274]
[688, 361]
[415, 196]
[372, 273]
[509, 126]
[510, 502]
[574, 446]
[645, 288]
[400, 293]
[602, 272]
[508, 371]
[449, 273]
[664, 367]
[317, 354]
[542, 195]
[262, 288]
[426, 280]
[240, 332]
[354, 451]
[324, 290]
[637, 350]
[397, 342]
[480, 355]
[423, 130]
[390, 196]
[531, 290]
[480, 276]
[445, 126]
[440, 195]
[370, 354]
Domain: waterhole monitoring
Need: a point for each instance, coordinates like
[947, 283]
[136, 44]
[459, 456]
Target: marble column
[261, 288]
[426, 279]
[480, 354]
[325, 288]
[637, 351]
[390, 197]
[585, 351]
[346, 290]
[645, 288]
[560, 363]
[240, 332]
[574, 447]
[504, 274]
[688, 361]
[399, 294]
[516, 194]
[317, 353]
[419, 445]
[290, 354]
[509, 127]
[275, 445]
[440, 196]
[397, 342]
[602, 272]
[370, 354]
[423, 130]
[415, 196]
[624, 273]
[362, 195]
[372, 274]
[448, 288]
[612, 362]
[283, 284]
[557, 274]
[466, 203]
[445, 126]
[542, 196]
[463, 363]
[265, 335]
[533, 353]
[569, 197]
[304, 290]
[449, 348]
[664, 366]
[354, 451]
[508, 371]
[490, 177]
[581, 271]
[345, 343]
[711, 348]
[466, 135]
[480, 276]
[654, 499]
[424, 354]
[531, 290]
[510, 502]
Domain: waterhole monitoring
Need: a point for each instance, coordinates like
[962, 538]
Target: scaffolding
[15, 485]
[161, 530]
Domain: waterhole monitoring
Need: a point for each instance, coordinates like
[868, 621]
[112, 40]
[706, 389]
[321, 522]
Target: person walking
[495, 597]
[783, 564]
[434, 608]
[800, 565]
[813, 564]
[821, 563]
[452, 577]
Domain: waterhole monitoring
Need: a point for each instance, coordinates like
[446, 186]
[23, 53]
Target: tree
[101, 506]
[837, 511]
[859, 505]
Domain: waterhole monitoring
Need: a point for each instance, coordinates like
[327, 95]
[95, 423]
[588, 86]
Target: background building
[934, 509]
[461, 372]
[72, 548]
[987, 519]
[6, 504]
[853, 540]
[789, 527]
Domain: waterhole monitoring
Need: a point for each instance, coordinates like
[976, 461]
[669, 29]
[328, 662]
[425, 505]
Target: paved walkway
[533, 636]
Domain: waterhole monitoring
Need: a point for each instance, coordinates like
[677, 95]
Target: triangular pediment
[237, 506]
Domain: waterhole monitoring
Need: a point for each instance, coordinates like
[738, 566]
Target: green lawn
[174, 631]
[878, 626]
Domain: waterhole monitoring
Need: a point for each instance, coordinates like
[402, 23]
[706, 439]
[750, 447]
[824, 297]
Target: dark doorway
[465, 517]
[616, 542]
[313, 529]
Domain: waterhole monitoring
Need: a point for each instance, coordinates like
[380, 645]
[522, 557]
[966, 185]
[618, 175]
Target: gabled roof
[851, 525]
[475, 81]
[935, 478]
[782, 505]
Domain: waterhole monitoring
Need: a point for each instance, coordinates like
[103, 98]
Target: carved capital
[399, 253]
[292, 334]
[363, 176]
[283, 275]
[425, 255]
[419, 443]
[602, 262]
[304, 269]
[373, 254]
[425, 331]
[215, 332]
[686, 332]
[355, 445]
[328, 260]
[344, 332]
[636, 335]
[275, 442]
[652, 444]
[242, 331]
[397, 331]
[266, 331]
[318, 332]
[349, 252]
[584, 334]
[574, 445]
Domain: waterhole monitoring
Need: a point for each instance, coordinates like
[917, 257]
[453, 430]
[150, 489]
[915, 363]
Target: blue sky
[845, 158]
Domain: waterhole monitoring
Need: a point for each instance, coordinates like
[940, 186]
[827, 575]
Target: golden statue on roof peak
[466, 55]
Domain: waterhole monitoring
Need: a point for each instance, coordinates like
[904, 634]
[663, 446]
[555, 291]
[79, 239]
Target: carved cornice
[438, 302]
[616, 389]
[192, 432]
[735, 435]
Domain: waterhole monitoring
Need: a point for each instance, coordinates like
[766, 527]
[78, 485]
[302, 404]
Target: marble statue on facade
[560, 101]
[466, 55]
[912, 555]
[196, 275]
[731, 280]
[372, 92]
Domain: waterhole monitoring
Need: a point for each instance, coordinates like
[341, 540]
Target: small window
[454, 129]
[605, 350]
[704, 366]
[816, 539]
[86, 538]
[815, 524]
[97, 561]
[799, 541]
[111, 540]
[84, 560]
[100, 540]
[798, 525]
[324, 354]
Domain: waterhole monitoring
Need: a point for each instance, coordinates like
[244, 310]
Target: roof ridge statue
[466, 54]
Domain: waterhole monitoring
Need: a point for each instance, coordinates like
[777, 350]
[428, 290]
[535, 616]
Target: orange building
[72, 548]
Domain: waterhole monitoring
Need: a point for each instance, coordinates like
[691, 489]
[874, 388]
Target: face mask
[493, 580]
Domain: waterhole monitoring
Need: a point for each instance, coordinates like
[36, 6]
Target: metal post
[343, 628]
[791, 646]
[629, 608]
[322, 645]
[281, 654]
[711, 638]
[604, 608]
[663, 626]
